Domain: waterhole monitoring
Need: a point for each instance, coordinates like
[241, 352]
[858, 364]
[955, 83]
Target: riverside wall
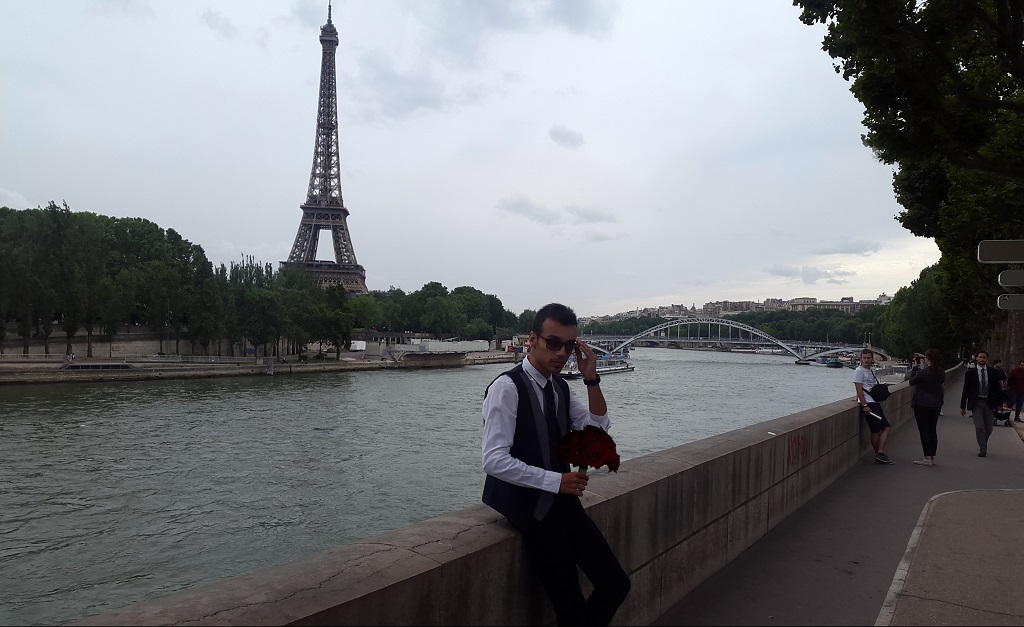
[674, 518]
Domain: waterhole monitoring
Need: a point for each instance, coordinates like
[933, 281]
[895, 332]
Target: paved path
[843, 558]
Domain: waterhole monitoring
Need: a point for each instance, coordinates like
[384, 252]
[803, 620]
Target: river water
[115, 493]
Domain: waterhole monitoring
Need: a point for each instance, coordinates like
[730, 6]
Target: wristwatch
[592, 382]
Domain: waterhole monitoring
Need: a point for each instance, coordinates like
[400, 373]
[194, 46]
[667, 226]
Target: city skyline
[597, 153]
[714, 308]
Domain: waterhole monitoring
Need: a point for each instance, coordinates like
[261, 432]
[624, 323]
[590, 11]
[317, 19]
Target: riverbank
[25, 373]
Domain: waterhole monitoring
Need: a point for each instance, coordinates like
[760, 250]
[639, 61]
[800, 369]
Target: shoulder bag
[879, 391]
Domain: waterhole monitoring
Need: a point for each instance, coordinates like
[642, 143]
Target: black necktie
[549, 409]
[551, 417]
[983, 388]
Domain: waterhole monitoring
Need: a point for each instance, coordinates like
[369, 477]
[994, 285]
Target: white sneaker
[923, 462]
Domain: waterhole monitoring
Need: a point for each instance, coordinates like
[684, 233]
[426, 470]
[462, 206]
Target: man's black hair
[557, 312]
[976, 355]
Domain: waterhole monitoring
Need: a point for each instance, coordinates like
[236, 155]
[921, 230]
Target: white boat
[606, 364]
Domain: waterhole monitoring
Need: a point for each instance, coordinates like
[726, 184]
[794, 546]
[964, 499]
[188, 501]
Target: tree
[477, 329]
[524, 323]
[443, 315]
[942, 84]
[366, 311]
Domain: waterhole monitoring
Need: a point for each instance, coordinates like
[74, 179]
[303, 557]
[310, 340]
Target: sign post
[1001, 251]
[1005, 251]
[1010, 301]
[1011, 278]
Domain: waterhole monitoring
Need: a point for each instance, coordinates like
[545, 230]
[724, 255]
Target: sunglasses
[555, 344]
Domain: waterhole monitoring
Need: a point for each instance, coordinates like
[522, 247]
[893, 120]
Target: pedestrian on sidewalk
[999, 402]
[1015, 389]
[863, 380]
[927, 377]
[981, 392]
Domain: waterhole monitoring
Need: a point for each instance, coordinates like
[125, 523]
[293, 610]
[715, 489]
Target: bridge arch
[851, 349]
[720, 321]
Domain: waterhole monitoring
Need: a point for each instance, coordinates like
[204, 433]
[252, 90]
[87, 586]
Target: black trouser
[556, 545]
[927, 420]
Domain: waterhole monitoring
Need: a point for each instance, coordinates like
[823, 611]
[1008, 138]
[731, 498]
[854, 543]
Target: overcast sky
[609, 155]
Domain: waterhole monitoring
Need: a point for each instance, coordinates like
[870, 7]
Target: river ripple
[115, 493]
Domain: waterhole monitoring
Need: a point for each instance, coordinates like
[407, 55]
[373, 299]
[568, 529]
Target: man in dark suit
[980, 397]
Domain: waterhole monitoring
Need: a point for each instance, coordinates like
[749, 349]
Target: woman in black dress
[927, 401]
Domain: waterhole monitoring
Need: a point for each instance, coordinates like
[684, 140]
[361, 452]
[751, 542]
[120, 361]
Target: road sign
[1010, 301]
[1001, 251]
[1011, 278]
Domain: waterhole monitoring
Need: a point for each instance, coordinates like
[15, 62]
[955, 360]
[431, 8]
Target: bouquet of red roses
[589, 447]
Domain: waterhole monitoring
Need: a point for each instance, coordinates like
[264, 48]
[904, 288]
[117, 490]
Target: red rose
[590, 446]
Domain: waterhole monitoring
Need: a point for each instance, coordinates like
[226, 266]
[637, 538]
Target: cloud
[262, 38]
[521, 205]
[598, 237]
[218, 23]
[14, 200]
[584, 17]
[588, 215]
[848, 247]
[309, 13]
[810, 274]
[457, 29]
[565, 137]
[388, 91]
[132, 8]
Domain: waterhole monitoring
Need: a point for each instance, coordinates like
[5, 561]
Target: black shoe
[882, 458]
[1018, 420]
[995, 422]
[982, 453]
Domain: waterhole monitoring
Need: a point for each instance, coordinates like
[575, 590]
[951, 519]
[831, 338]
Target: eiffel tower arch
[324, 208]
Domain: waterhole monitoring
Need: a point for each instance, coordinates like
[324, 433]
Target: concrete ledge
[674, 518]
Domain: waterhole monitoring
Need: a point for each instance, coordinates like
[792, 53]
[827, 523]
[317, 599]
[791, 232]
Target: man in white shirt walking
[526, 411]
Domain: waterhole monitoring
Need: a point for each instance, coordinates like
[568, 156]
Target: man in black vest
[526, 412]
[980, 396]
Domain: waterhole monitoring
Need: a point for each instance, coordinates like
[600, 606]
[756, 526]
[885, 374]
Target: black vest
[532, 445]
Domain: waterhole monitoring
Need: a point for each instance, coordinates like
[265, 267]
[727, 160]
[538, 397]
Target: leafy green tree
[444, 316]
[477, 329]
[524, 323]
[366, 311]
[474, 303]
[942, 84]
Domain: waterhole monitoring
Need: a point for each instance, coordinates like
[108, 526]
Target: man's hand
[963, 412]
[586, 360]
[573, 483]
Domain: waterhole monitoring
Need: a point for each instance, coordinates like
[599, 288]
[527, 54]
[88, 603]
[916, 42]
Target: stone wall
[674, 518]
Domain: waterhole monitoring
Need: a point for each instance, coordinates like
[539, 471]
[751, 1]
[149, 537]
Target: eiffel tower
[324, 208]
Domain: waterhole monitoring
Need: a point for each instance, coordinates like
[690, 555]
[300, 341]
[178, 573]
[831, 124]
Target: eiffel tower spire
[324, 207]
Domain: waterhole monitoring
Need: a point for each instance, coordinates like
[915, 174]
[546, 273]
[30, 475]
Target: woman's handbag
[879, 391]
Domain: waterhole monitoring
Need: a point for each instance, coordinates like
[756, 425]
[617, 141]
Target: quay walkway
[889, 545]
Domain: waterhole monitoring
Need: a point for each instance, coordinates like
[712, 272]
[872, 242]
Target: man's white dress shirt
[499, 411]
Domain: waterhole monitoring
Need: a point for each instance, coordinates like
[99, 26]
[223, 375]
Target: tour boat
[606, 364]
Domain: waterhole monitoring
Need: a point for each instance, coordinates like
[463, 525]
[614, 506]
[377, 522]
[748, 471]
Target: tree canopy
[942, 84]
[67, 271]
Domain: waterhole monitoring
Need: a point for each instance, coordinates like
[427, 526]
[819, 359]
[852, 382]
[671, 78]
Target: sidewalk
[878, 546]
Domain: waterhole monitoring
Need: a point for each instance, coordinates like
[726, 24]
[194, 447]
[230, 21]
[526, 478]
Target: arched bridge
[753, 332]
[851, 349]
[720, 321]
